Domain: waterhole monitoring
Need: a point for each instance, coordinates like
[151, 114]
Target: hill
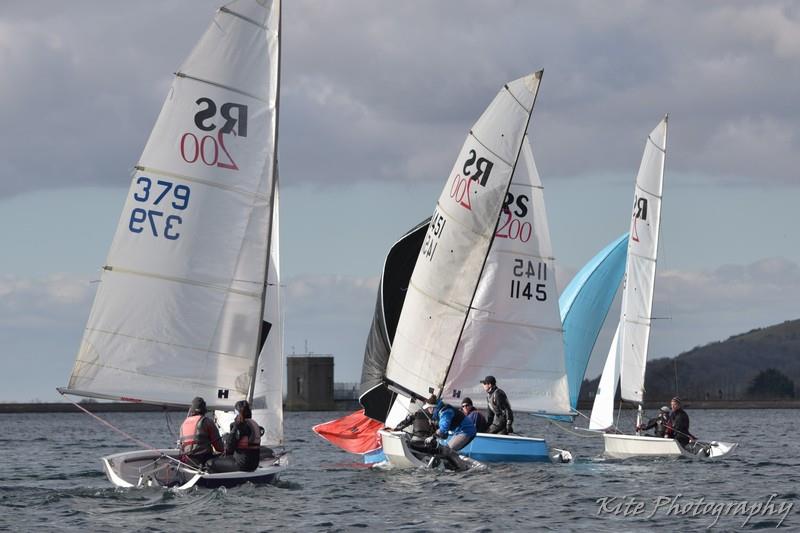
[723, 370]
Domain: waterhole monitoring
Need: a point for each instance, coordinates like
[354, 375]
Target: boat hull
[507, 449]
[159, 468]
[484, 448]
[627, 446]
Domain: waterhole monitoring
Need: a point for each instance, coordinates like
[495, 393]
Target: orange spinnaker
[354, 433]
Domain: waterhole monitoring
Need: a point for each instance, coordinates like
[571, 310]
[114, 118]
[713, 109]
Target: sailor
[679, 426]
[500, 416]
[660, 423]
[473, 414]
[242, 444]
[421, 428]
[199, 437]
[449, 420]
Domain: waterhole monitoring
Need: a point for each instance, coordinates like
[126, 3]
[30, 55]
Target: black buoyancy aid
[422, 426]
[194, 441]
[251, 441]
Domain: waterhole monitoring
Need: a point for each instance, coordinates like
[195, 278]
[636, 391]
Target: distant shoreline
[123, 407]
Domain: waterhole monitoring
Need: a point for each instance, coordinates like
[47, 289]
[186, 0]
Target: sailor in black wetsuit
[659, 423]
[421, 429]
[500, 417]
[679, 427]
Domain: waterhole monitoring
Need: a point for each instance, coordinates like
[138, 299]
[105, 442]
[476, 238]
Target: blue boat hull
[507, 449]
[494, 449]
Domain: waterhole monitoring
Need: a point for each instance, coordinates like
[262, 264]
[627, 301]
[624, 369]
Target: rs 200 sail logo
[207, 146]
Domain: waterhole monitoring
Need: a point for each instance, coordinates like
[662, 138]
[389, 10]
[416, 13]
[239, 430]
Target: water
[51, 479]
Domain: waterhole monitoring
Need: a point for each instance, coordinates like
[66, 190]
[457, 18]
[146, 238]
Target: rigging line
[132, 438]
[571, 432]
[186, 281]
[221, 86]
[201, 181]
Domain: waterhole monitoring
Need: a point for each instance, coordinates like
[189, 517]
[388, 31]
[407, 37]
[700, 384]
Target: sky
[377, 97]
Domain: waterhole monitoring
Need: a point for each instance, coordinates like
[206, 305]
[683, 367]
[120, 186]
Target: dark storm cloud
[387, 90]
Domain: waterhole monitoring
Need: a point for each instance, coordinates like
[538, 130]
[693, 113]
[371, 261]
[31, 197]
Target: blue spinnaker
[584, 305]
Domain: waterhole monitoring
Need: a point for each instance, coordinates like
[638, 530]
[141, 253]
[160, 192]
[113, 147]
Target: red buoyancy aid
[252, 441]
[194, 439]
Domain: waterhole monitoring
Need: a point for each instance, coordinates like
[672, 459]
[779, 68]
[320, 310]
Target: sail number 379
[161, 194]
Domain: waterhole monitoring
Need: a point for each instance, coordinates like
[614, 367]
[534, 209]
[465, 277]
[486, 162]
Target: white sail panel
[268, 391]
[640, 271]
[602, 416]
[178, 309]
[513, 329]
[451, 259]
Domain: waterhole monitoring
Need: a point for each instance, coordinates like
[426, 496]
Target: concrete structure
[309, 384]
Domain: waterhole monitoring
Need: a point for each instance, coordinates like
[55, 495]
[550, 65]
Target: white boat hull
[160, 468]
[627, 446]
[399, 455]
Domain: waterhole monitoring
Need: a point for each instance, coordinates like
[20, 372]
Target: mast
[271, 211]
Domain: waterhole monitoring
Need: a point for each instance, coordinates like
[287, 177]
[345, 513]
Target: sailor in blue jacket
[455, 430]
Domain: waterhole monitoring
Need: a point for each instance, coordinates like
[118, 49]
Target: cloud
[388, 90]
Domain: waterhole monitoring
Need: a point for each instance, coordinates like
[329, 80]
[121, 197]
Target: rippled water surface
[51, 479]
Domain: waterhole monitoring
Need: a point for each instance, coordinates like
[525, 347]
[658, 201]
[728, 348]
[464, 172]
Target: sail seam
[640, 256]
[224, 9]
[517, 99]
[522, 324]
[144, 339]
[209, 285]
[529, 185]
[662, 150]
[489, 149]
[452, 305]
[201, 181]
[514, 252]
[221, 86]
[648, 192]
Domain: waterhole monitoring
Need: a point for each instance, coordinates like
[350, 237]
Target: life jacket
[421, 425]
[252, 441]
[194, 440]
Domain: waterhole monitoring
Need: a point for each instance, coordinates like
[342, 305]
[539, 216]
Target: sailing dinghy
[627, 356]
[188, 303]
[454, 322]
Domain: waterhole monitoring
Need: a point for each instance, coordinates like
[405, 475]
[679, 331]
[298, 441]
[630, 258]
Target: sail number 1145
[524, 284]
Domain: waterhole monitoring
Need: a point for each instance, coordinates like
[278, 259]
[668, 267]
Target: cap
[665, 409]
[676, 400]
[466, 401]
[490, 380]
[199, 405]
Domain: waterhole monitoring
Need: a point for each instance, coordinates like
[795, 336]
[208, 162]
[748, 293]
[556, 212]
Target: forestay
[179, 306]
[462, 227]
[640, 270]
[513, 329]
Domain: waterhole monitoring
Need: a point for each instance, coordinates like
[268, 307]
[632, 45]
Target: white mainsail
[178, 311]
[640, 269]
[449, 266]
[513, 328]
[602, 416]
